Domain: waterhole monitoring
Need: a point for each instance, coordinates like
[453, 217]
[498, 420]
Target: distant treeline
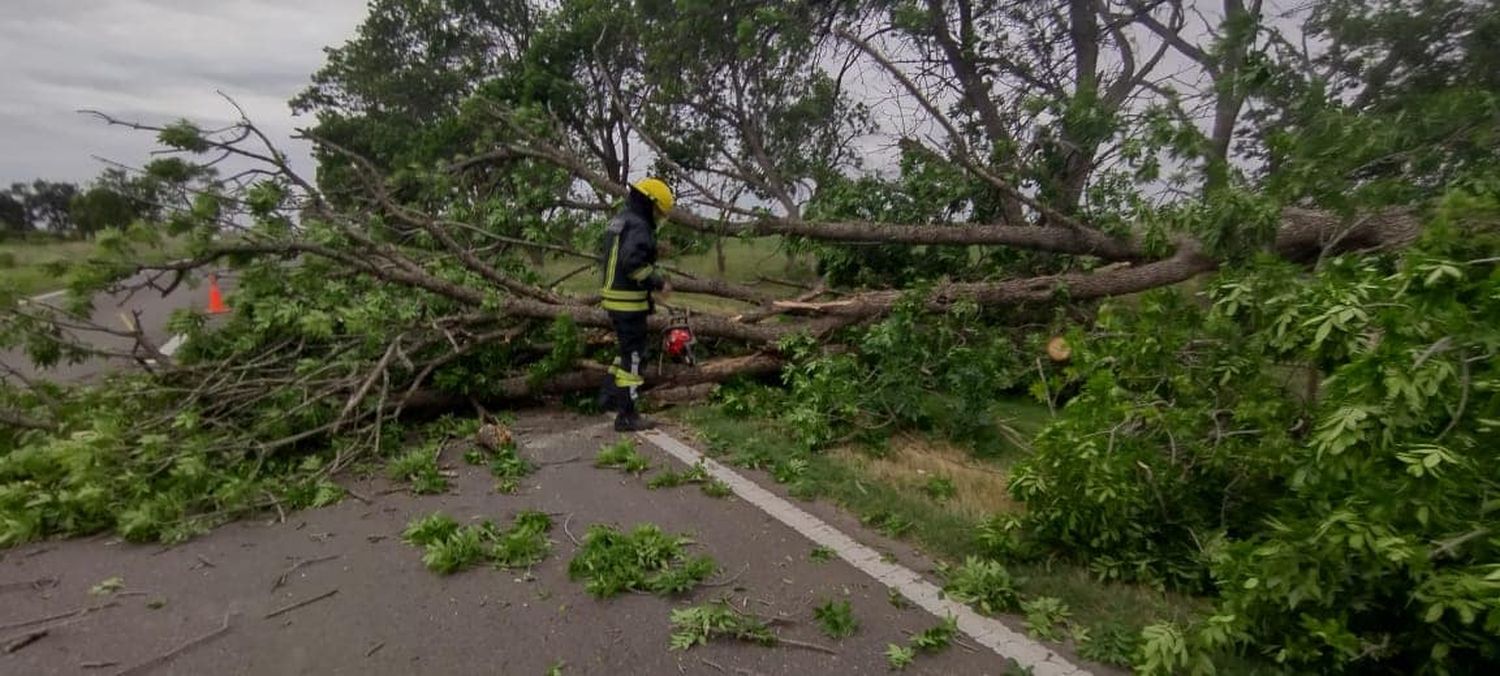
[114, 199]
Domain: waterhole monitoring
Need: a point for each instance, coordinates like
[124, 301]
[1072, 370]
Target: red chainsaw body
[678, 341]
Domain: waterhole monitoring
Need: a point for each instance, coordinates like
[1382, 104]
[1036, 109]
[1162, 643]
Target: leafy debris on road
[107, 586]
[449, 548]
[932, 640]
[836, 618]
[696, 625]
[646, 560]
[624, 456]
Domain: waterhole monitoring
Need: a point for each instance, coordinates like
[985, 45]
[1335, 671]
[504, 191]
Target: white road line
[42, 299]
[172, 346]
[1042, 661]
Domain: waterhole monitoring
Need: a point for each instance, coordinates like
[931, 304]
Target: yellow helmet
[657, 190]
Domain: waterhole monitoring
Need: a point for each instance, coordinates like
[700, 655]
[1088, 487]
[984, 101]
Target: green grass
[28, 266]
[745, 262]
[36, 265]
[937, 526]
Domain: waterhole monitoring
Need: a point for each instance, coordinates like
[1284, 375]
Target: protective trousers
[623, 386]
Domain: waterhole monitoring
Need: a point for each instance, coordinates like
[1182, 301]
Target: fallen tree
[406, 276]
[419, 285]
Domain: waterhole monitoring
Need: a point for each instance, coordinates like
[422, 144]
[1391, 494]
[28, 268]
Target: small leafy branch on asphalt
[899, 656]
[623, 455]
[697, 474]
[496, 448]
[836, 618]
[821, 554]
[449, 547]
[646, 559]
[419, 467]
[716, 489]
[936, 638]
[932, 640]
[697, 625]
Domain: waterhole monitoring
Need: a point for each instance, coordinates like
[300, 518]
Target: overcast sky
[153, 60]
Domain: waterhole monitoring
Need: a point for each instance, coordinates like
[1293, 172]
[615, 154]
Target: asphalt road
[244, 600]
[113, 310]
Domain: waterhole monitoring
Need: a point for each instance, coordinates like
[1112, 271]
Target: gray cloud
[152, 60]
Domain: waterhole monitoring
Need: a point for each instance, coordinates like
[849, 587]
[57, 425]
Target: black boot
[632, 422]
[628, 420]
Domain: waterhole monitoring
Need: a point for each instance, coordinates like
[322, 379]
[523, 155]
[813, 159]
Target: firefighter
[630, 276]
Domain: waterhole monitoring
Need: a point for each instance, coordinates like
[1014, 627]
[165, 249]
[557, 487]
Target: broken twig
[299, 565]
[299, 604]
[22, 641]
[39, 583]
[60, 616]
[173, 653]
[810, 646]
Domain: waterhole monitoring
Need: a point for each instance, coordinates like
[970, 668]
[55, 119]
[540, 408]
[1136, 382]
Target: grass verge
[889, 492]
[38, 265]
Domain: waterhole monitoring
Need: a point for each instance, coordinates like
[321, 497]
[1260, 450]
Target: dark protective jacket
[629, 259]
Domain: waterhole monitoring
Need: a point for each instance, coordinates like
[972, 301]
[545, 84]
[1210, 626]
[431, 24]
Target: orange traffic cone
[215, 297]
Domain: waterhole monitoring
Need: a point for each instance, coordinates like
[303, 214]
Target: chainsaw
[677, 338]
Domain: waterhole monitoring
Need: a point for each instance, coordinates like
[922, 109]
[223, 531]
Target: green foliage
[461, 549]
[524, 544]
[899, 657]
[646, 559]
[505, 463]
[433, 528]
[696, 625]
[697, 474]
[836, 618]
[1110, 644]
[821, 554]
[624, 456]
[420, 468]
[1308, 446]
[106, 469]
[567, 347]
[716, 489]
[107, 586]
[909, 371]
[984, 584]
[184, 135]
[449, 547]
[1000, 536]
[1045, 617]
[939, 488]
[936, 638]
[930, 640]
